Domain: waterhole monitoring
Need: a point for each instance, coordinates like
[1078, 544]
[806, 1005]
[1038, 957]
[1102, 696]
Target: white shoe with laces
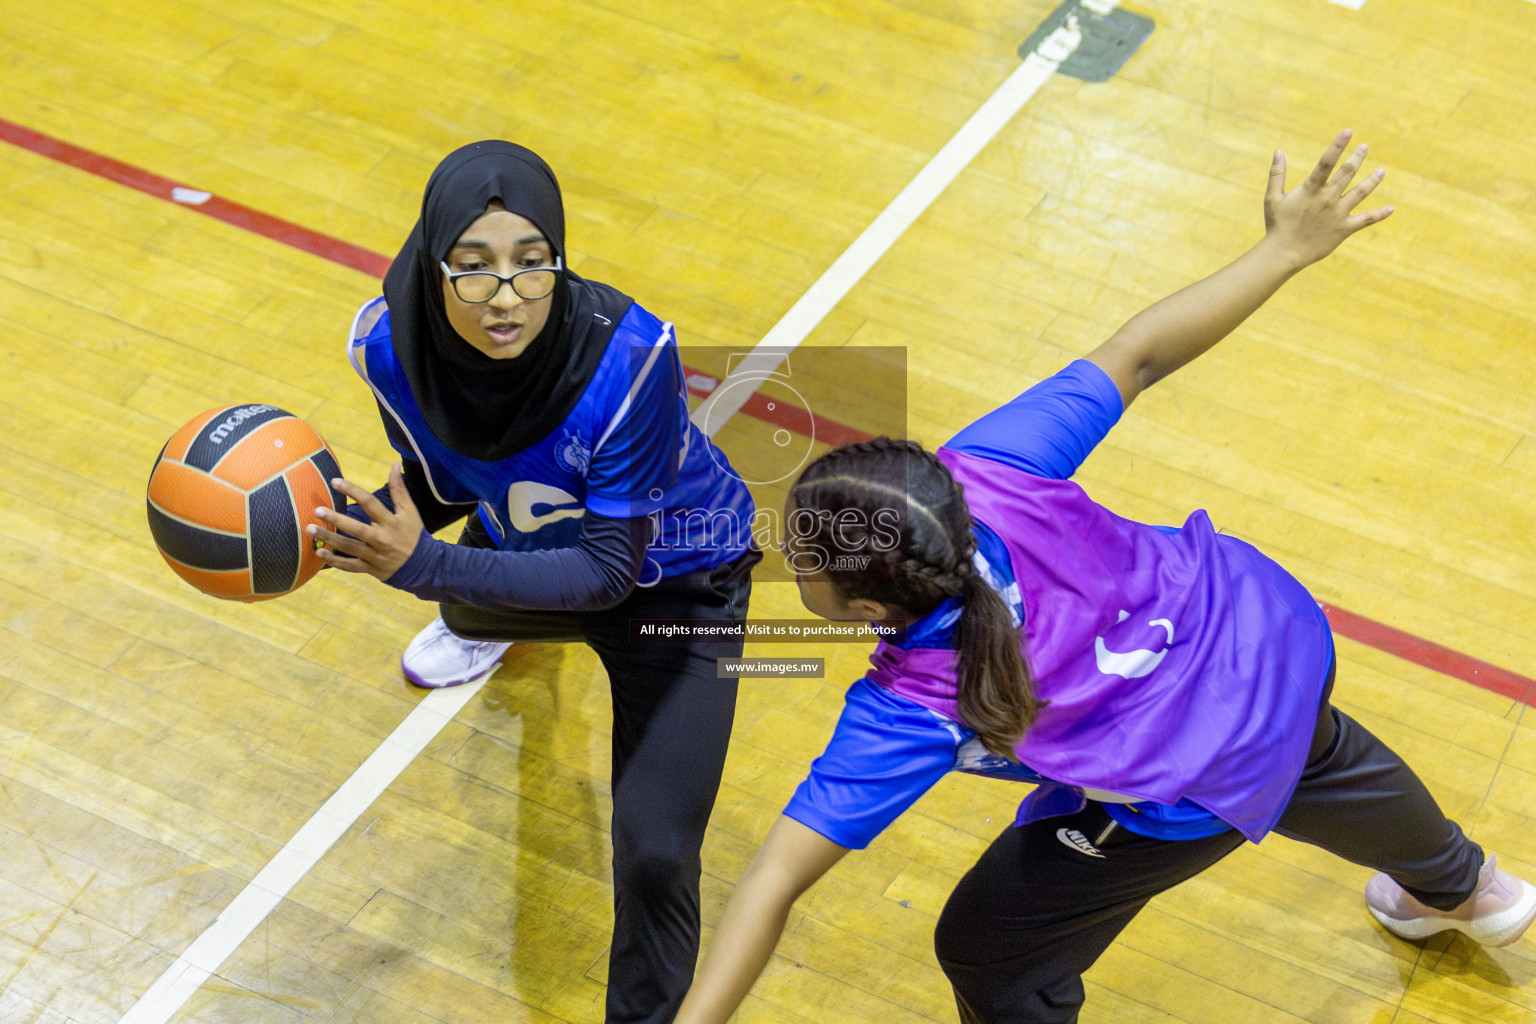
[438, 658]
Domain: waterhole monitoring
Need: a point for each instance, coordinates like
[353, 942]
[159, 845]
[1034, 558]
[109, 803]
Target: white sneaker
[1496, 914]
[438, 658]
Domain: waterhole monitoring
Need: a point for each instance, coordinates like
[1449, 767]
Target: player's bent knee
[654, 869]
[648, 856]
[955, 940]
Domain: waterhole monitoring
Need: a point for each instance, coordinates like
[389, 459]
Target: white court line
[304, 850]
[910, 203]
[209, 951]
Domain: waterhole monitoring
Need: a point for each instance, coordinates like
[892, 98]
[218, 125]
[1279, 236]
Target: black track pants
[671, 723]
[1037, 910]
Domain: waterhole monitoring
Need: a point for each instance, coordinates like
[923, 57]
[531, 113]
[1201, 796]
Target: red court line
[1346, 623]
[777, 414]
[254, 221]
[1431, 655]
[781, 414]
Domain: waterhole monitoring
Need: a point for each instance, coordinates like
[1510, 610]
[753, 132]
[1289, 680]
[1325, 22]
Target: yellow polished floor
[1374, 428]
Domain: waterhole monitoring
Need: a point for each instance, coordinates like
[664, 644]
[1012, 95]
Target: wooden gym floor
[1373, 428]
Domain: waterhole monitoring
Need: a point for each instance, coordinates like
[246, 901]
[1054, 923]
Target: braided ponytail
[911, 527]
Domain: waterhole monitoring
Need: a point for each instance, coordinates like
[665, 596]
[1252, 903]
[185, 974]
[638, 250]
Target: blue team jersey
[887, 750]
[628, 449]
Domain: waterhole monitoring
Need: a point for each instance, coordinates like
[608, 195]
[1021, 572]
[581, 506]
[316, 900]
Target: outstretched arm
[1302, 226]
[792, 858]
[885, 753]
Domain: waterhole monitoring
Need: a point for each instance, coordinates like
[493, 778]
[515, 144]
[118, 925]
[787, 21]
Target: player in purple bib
[1167, 689]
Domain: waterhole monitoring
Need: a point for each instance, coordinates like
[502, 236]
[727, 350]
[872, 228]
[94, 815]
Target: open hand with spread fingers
[1314, 217]
[379, 547]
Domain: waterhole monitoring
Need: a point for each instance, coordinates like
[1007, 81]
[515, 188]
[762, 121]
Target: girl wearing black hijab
[552, 411]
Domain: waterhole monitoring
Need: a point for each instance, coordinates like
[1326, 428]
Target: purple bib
[1176, 665]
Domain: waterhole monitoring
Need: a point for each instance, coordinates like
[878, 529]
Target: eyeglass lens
[534, 283]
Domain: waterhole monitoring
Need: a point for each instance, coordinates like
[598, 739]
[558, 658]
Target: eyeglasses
[482, 285]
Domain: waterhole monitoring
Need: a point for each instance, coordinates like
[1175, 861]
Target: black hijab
[481, 407]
